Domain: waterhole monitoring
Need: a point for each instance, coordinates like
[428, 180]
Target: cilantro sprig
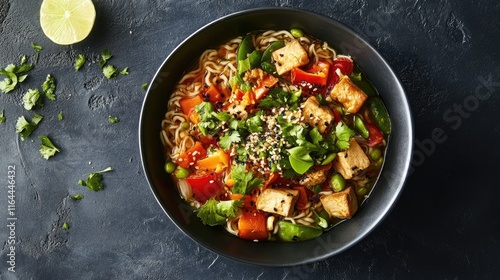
[26, 128]
[244, 181]
[47, 148]
[215, 212]
[93, 181]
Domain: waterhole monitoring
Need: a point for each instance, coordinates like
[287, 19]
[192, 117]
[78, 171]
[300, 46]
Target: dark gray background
[445, 224]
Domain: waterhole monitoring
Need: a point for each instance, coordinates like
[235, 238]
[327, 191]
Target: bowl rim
[404, 108]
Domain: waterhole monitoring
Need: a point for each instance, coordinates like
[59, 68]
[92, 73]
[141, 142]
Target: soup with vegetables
[275, 136]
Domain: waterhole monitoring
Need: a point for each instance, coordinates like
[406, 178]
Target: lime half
[66, 22]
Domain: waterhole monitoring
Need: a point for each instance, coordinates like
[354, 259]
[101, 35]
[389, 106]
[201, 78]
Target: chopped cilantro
[31, 99]
[80, 61]
[49, 87]
[13, 75]
[215, 212]
[277, 98]
[229, 138]
[26, 128]
[106, 55]
[77, 196]
[254, 124]
[110, 71]
[124, 71]
[144, 86]
[209, 120]
[60, 116]
[343, 134]
[113, 119]
[93, 181]
[2, 116]
[244, 182]
[47, 148]
[65, 226]
[37, 49]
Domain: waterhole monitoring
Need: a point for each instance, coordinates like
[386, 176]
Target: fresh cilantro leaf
[24, 59]
[254, 124]
[65, 226]
[241, 154]
[9, 83]
[106, 55]
[244, 182]
[113, 119]
[37, 49]
[31, 99]
[110, 71]
[316, 136]
[49, 87]
[47, 148]
[209, 123]
[215, 212]
[60, 116]
[77, 196]
[229, 138]
[93, 181]
[80, 61]
[124, 71]
[144, 86]
[2, 116]
[26, 128]
[277, 97]
[343, 134]
[209, 215]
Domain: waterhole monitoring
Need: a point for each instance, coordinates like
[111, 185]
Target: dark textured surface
[444, 226]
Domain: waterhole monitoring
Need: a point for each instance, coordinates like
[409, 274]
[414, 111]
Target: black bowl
[341, 237]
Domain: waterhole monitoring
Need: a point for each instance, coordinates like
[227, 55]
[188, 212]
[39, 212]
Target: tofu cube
[311, 179]
[352, 161]
[347, 93]
[277, 201]
[342, 205]
[290, 56]
[317, 115]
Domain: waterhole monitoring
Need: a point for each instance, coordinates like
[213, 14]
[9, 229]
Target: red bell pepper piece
[312, 78]
[376, 137]
[263, 86]
[204, 185]
[345, 65]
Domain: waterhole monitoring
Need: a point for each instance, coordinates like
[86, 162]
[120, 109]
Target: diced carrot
[252, 226]
[303, 199]
[216, 162]
[272, 178]
[248, 99]
[263, 86]
[235, 196]
[193, 154]
[188, 103]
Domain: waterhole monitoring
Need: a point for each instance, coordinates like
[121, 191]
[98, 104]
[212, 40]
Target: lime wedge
[66, 22]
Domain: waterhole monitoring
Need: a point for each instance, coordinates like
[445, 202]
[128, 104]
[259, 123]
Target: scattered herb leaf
[65, 226]
[2, 116]
[26, 128]
[80, 61]
[244, 182]
[110, 71]
[93, 181]
[49, 87]
[37, 49]
[106, 55]
[144, 86]
[31, 99]
[124, 71]
[60, 116]
[47, 148]
[77, 196]
[215, 212]
[113, 119]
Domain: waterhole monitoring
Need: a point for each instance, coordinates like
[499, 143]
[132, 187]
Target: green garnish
[124, 71]
[215, 212]
[49, 87]
[65, 226]
[26, 128]
[47, 148]
[13, 75]
[60, 116]
[106, 55]
[31, 99]
[93, 181]
[2, 116]
[300, 159]
[110, 71]
[113, 119]
[144, 86]
[80, 61]
[244, 182]
[77, 197]
[37, 49]
[228, 138]
[343, 133]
